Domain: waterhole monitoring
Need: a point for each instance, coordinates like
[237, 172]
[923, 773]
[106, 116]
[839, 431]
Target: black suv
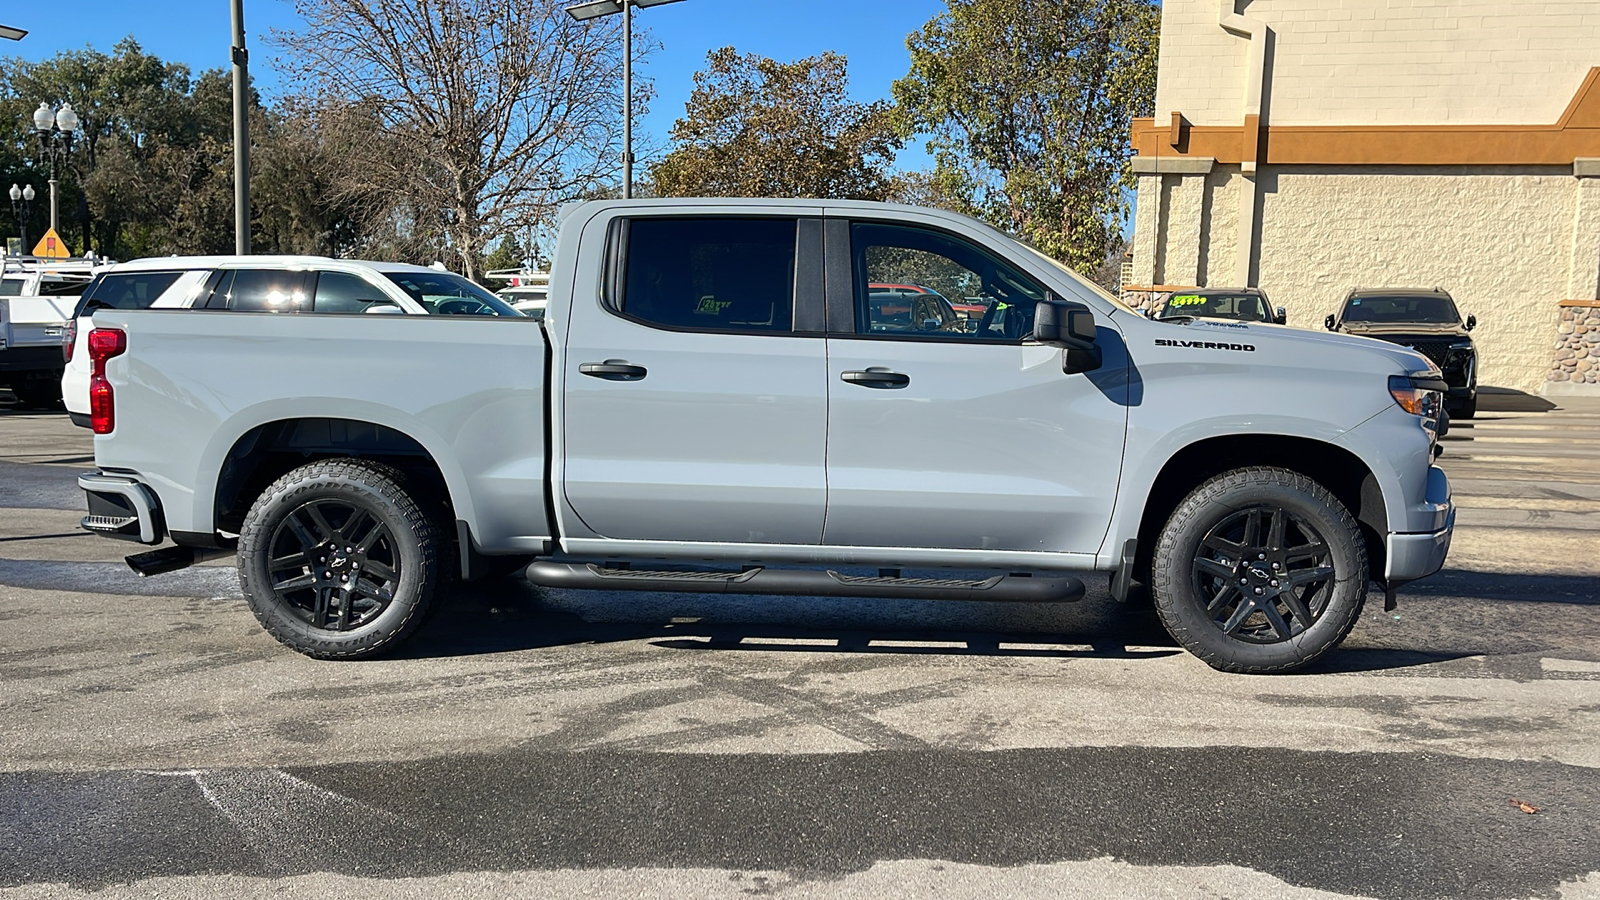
[1426, 321]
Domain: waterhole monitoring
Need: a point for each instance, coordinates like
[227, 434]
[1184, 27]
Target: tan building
[1309, 147]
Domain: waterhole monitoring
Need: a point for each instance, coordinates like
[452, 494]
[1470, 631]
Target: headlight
[1419, 393]
[1463, 345]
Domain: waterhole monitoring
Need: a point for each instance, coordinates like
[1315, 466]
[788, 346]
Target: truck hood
[1269, 344]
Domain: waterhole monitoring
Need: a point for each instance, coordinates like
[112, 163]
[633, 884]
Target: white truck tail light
[104, 343]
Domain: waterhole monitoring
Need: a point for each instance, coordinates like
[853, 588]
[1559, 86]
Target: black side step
[807, 582]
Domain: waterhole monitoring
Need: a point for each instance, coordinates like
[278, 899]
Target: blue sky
[870, 34]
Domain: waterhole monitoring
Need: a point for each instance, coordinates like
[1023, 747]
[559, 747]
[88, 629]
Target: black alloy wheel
[1259, 570]
[338, 561]
[334, 564]
[1264, 573]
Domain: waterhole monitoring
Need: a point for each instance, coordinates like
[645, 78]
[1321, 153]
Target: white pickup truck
[774, 396]
[37, 297]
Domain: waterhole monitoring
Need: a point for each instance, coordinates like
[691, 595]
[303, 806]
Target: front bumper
[121, 508]
[1413, 555]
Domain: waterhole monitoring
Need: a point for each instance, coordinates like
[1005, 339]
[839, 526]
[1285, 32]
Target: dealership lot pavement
[154, 740]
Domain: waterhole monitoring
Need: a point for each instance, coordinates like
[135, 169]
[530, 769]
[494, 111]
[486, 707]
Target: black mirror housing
[1280, 316]
[1472, 322]
[1070, 326]
[1328, 322]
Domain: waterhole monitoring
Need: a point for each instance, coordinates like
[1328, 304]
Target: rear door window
[262, 290]
[125, 290]
[723, 274]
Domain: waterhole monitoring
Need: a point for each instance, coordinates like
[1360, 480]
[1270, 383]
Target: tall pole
[53, 193]
[241, 138]
[627, 99]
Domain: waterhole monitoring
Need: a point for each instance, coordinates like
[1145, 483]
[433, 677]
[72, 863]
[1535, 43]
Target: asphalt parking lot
[155, 741]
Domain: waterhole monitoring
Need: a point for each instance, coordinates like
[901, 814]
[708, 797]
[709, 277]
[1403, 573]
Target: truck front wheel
[1260, 570]
[338, 561]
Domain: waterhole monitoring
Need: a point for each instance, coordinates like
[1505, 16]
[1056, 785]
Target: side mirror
[1328, 322]
[1280, 316]
[1070, 326]
[1472, 322]
[387, 309]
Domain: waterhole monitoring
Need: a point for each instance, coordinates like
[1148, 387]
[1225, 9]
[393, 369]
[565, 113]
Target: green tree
[508, 254]
[1028, 105]
[151, 172]
[754, 127]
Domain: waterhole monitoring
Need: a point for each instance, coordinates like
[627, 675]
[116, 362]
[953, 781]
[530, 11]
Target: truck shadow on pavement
[509, 615]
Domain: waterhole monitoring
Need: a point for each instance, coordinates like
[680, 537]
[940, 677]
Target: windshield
[446, 294]
[1076, 277]
[1242, 307]
[1435, 309]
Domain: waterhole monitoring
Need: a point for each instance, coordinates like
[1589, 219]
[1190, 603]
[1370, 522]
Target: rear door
[695, 380]
[954, 432]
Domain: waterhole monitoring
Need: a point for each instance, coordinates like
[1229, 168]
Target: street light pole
[241, 135]
[22, 208]
[55, 129]
[593, 9]
[627, 100]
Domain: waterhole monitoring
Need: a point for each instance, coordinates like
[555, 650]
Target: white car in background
[264, 284]
[528, 291]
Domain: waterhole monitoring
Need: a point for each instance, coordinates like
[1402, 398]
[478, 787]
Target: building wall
[1509, 241]
[1499, 243]
[1404, 62]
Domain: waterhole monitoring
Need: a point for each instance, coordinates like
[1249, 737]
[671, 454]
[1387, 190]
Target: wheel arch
[1342, 472]
[268, 450]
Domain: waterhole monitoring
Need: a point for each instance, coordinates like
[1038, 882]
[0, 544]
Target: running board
[807, 583]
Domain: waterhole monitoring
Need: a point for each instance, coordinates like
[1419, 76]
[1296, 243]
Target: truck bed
[198, 387]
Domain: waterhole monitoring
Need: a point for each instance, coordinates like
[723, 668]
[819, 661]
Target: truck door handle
[614, 370]
[876, 377]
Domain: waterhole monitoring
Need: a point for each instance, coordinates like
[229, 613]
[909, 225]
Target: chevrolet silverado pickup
[715, 402]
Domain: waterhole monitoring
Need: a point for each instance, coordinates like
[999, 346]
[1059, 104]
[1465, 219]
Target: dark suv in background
[1428, 322]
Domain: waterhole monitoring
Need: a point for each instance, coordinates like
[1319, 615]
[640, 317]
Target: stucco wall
[1403, 62]
[1500, 241]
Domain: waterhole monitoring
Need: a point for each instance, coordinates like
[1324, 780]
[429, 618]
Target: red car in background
[894, 303]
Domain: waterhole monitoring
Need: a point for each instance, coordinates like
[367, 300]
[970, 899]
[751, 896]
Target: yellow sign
[51, 245]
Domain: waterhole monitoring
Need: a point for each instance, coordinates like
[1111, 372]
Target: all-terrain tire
[1202, 559]
[373, 610]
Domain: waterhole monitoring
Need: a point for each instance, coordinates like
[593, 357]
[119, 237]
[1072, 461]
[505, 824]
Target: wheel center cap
[1259, 573]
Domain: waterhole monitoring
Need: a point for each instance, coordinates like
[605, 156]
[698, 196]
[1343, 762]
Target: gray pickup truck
[725, 397]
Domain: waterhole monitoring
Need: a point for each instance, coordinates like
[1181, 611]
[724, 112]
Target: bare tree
[465, 118]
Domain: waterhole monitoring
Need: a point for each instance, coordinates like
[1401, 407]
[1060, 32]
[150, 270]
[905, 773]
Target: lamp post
[241, 134]
[22, 208]
[594, 9]
[55, 129]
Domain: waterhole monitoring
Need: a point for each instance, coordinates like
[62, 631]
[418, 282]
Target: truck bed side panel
[470, 390]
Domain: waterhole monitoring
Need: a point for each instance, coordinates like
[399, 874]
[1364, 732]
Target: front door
[694, 408]
[947, 428]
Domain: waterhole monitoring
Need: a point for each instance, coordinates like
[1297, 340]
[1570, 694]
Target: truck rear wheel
[338, 561]
[1260, 570]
